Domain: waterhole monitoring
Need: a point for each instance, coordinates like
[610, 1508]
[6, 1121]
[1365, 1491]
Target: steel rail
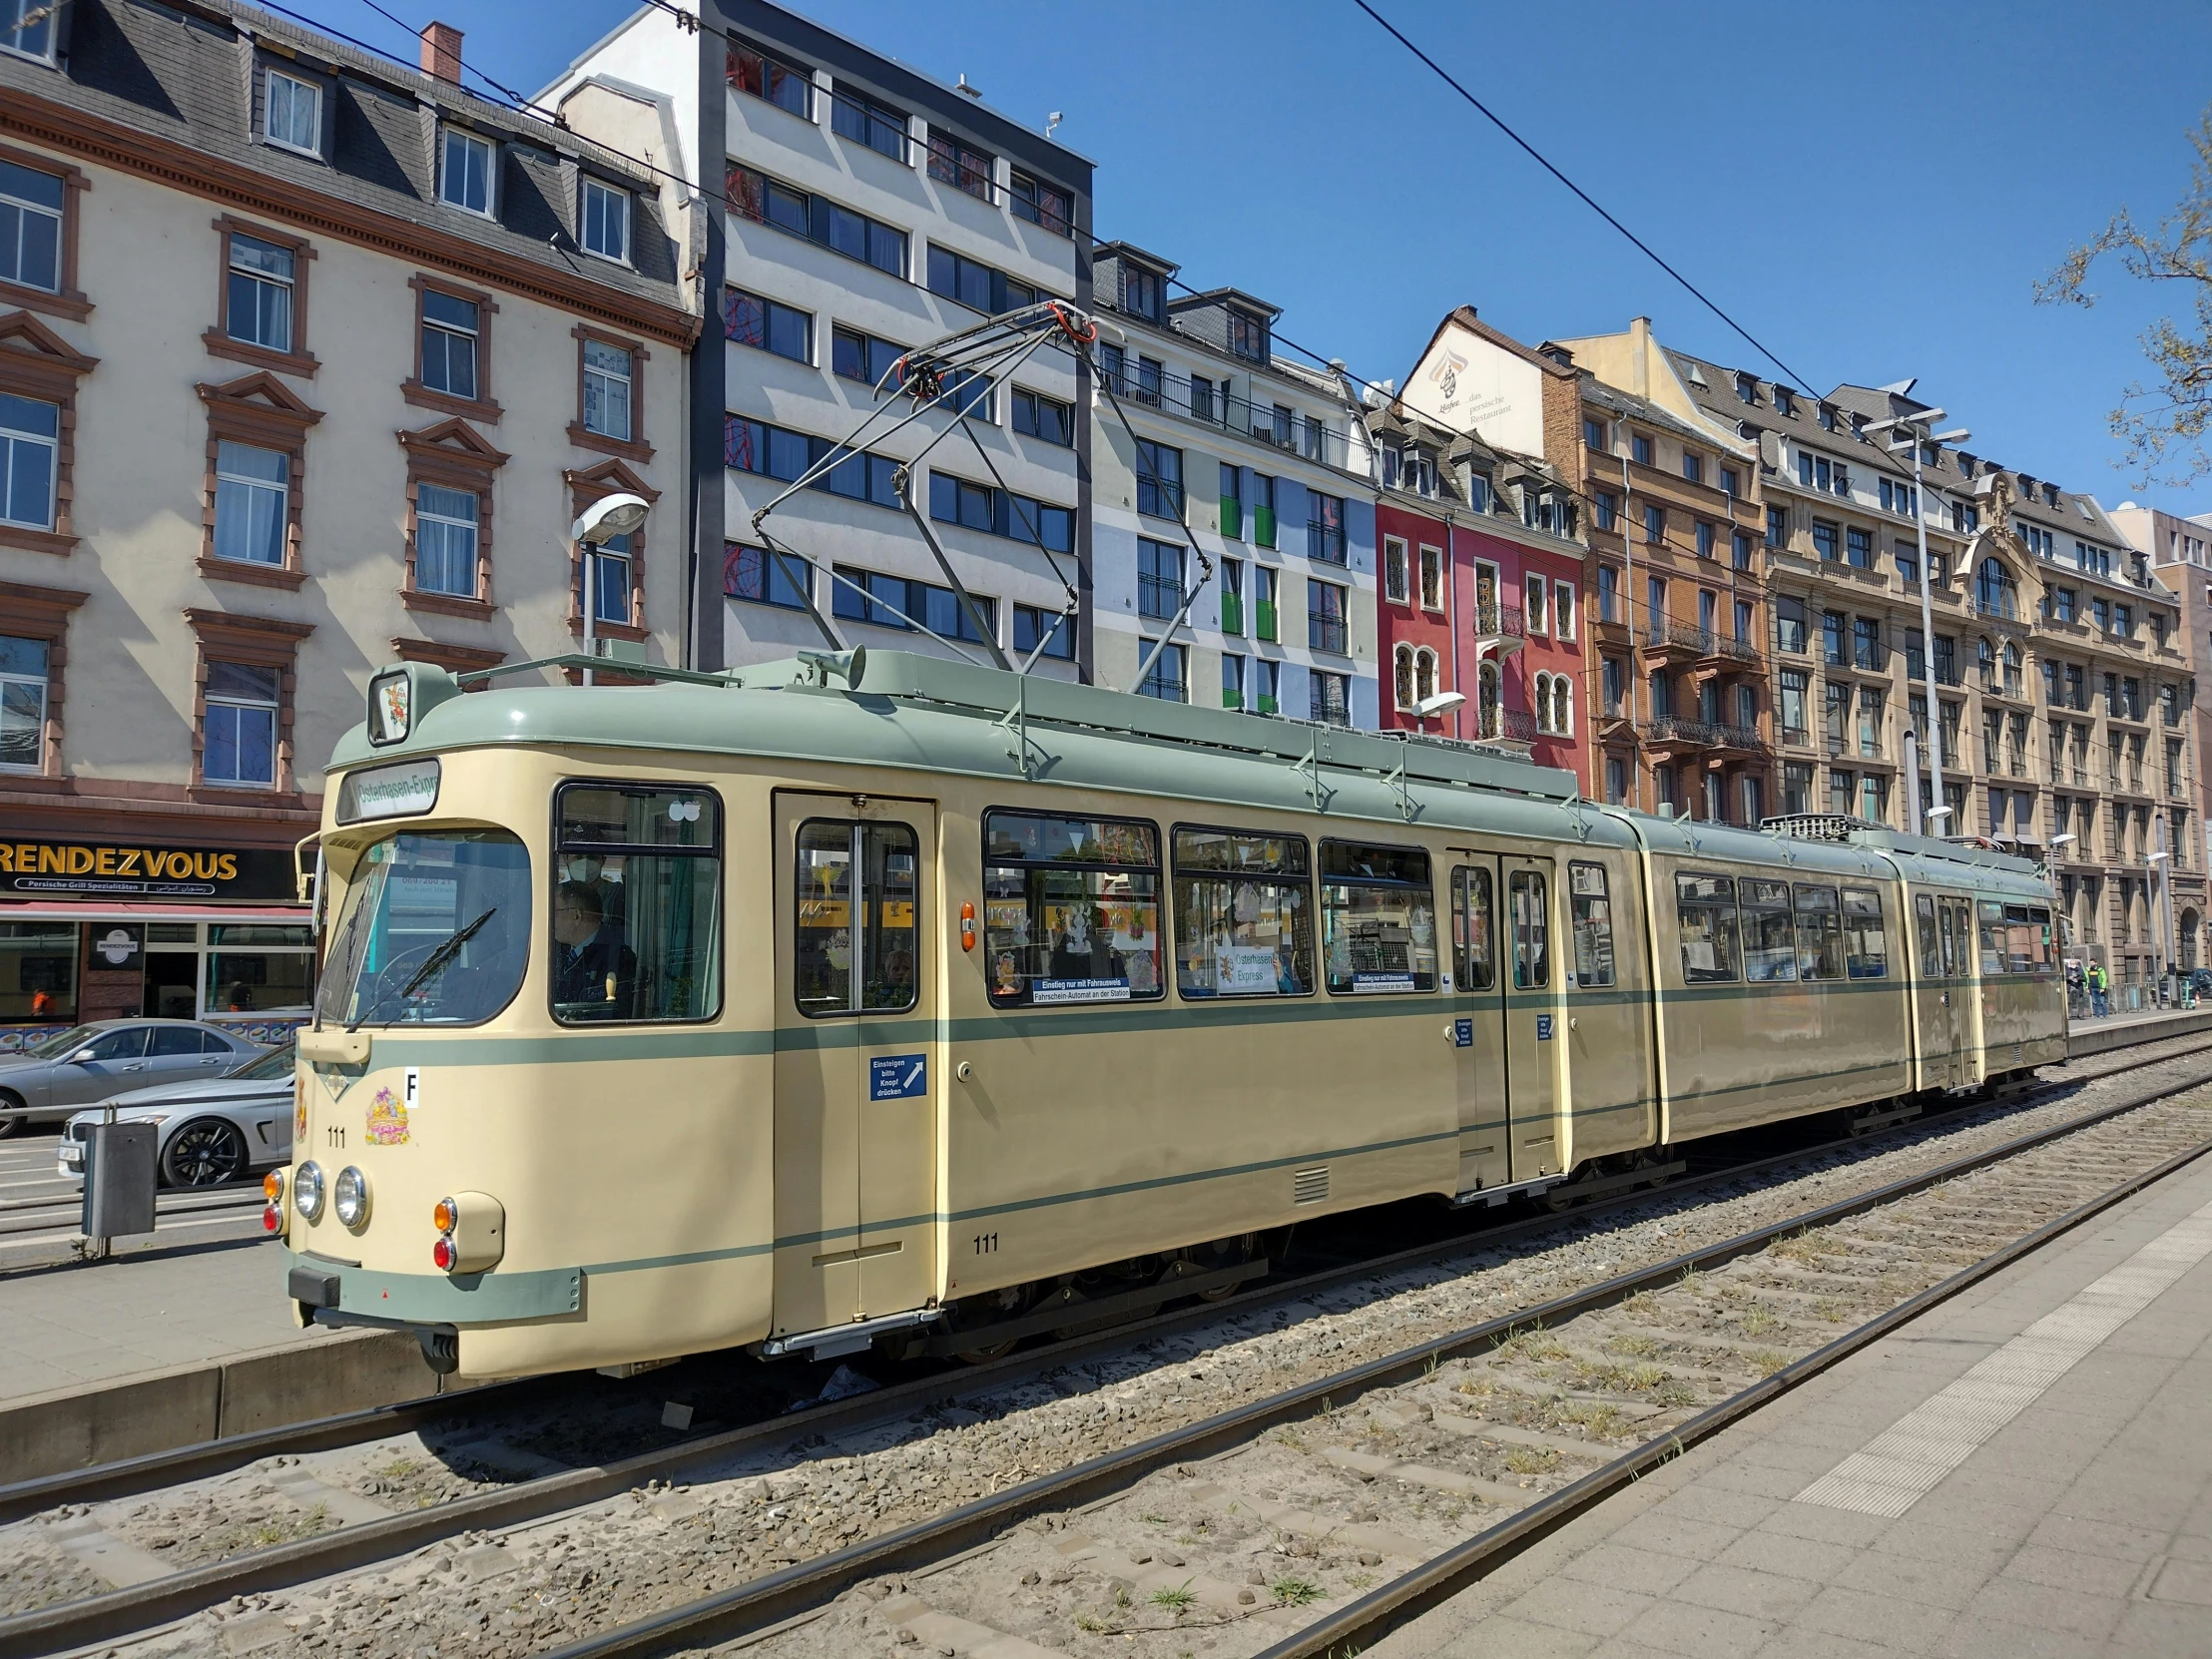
[141, 1607]
[1352, 1629]
[751, 1606]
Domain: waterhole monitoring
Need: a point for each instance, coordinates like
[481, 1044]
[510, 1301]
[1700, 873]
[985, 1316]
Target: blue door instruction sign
[1463, 1033]
[1543, 1028]
[897, 1076]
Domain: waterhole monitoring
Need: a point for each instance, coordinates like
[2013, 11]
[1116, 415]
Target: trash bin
[118, 1181]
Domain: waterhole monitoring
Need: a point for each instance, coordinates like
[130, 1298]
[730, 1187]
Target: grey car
[77, 1067]
[211, 1132]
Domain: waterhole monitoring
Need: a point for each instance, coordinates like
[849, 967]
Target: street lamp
[606, 519]
[1917, 430]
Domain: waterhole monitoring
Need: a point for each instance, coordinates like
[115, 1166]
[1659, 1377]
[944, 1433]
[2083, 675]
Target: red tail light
[443, 1255]
[273, 1219]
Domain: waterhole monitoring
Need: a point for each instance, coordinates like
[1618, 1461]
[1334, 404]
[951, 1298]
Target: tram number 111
[986, 1244]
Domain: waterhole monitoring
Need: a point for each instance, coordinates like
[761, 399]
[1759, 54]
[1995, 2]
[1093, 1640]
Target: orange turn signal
[272, 1185]
[443, 1217]
[967, 924]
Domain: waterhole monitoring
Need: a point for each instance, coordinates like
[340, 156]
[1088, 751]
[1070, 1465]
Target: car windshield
[436, 931]
[266, 1068]
[68, 1042]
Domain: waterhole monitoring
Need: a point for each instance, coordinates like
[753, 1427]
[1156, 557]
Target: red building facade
[1479, 583]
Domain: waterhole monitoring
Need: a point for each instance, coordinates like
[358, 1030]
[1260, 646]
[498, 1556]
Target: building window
[1778, 526]
[1329, 696]
[1640, 444]
[1535, 610]
[1325, 617]
[1044, 633]
[465, 171]
[239, 733]
[450, 329]
[1859, 548]
[770, 326]
[22, 704]
[1824, 540]
[251, 494]
[1159, 579]
[1046, 419]
[1655, 525]
[1610, 604]
[1693, 467]
[293, 118]
[753, 71]
[1731, 482]
[29, 439]
[1158, 480]
[979, 287]
[610, 580]
[445, 540]
[607, 387]
[953, 162]
[1325, 527]
[998, 512]
[1142, 293]
[259, 308]
[1432, 579]
[762, 200]
[31, 206]
[758, 576]
[1594, 434]
[1045, 206]
[606, 222]
[753, 446]
[1608, 510]
[864, 358]
[864, 121]
[1704, 539]
[1164, 679]
[27, 28]
[1396, 579]
[1247, 336]
[898, 601]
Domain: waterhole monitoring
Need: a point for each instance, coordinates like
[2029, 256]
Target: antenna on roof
[970, 91]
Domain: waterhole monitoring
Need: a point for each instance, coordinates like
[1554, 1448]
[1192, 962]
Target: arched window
[2012, 669]
[1404, 676]
[1486, 700]
[1539, 692]
[1563, 705]
[1987, 654]
[1425, 675]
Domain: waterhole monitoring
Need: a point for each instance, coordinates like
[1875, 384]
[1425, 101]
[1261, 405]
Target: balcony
[1675, 639]
[1668, 733]
[1209, 403]
[1516, 724]
[1494, 619]
[1722, 652]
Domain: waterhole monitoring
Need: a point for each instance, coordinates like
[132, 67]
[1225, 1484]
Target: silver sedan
[51, 1080]
[211, 1132]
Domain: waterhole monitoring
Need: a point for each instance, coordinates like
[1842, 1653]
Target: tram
[874, 998]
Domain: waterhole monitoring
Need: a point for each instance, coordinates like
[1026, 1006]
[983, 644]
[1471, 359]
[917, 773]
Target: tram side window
[2024, 945]
[2044, 959]
[1532, 914]
[1865, 946]
[1770, 935]
[1820, 935]
[870, 968]
[1071, 910]
[1473, 905]
[1924, 921]
[1244, 918]
[1958, 938]
[1704, 909]
[1593, 924]
[1378, 919]
[637, 904]
[1992, 939]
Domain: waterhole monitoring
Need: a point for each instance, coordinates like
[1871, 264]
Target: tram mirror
[848, 666]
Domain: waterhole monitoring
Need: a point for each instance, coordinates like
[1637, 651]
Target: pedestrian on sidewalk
[2099, 982]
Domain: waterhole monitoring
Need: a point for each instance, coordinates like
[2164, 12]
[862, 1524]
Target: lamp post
[1917, 430]
[600, 523]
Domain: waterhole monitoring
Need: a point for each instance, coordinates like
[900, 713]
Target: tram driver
[594, 972]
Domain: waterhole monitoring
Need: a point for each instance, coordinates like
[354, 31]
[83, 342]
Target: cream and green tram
[897, 1000]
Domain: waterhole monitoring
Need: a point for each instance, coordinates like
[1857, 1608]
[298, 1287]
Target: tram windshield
[436, 931]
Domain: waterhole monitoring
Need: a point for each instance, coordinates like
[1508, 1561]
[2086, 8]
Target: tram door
[1478, 1027]
[856, 1077]
[1957, 999]
[1512, 1124]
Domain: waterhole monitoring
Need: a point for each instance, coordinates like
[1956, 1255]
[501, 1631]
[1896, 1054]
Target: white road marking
[1901, 1465]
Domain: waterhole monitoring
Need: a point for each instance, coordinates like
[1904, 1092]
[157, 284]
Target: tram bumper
[434, 1307]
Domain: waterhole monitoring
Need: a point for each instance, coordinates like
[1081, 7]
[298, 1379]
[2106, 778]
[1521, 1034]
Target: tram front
[519, 1130]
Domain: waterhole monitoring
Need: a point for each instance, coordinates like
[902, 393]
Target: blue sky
[1872, 190]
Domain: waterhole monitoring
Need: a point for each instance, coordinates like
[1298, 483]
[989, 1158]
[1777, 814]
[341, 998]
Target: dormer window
[1140, 293]
[1390, 465]
[1785, 401]
[606, 222]
[2050, 495]
[291, 114]
[1248, 337]
[1747, 390]
[464, 171]
[1828, 417]
[27, 28]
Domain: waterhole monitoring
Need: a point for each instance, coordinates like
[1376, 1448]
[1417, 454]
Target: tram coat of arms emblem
[387, 1119]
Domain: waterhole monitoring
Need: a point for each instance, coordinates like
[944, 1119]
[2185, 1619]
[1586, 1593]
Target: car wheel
[204, 1153]
[11, 1125]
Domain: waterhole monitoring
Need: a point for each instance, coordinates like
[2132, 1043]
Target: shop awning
[280, 916]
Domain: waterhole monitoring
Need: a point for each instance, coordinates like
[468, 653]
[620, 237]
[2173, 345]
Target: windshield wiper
[438, 958]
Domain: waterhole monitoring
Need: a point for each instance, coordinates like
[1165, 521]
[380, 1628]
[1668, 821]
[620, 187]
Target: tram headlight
[350, 1198]
[306, 1191]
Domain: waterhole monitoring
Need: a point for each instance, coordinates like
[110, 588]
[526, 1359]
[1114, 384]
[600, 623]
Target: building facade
[2180, 552]
[1214, 449]
[846, 208]
[1478, 596]
[306, 364]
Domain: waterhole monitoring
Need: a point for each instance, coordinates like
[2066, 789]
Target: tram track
[372, 1538]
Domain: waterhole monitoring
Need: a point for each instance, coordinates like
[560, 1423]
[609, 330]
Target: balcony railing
[1210, 403]
[1702, 734]
[1231, 613]
[1664, 635]
[1325, 633]
[1325, 541]
[1264, 623]
[1517, 724]
[1498, 618]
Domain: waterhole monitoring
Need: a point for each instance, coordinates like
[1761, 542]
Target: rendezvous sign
[897, 1076]
[93, 870]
